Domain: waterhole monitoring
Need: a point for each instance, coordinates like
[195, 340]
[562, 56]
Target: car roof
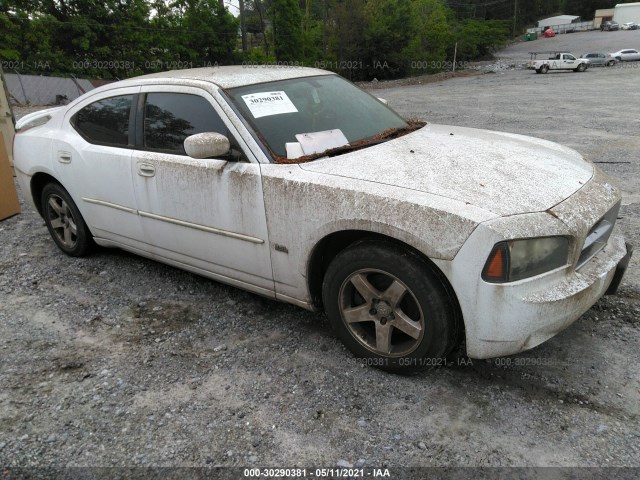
[230, 76]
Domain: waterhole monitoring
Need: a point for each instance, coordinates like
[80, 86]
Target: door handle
[64, 157]
[146, 170]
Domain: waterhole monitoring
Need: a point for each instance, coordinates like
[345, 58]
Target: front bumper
[504, 319]
[621, 269]
[510, 318]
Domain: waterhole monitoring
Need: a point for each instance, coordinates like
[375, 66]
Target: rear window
[105, 122]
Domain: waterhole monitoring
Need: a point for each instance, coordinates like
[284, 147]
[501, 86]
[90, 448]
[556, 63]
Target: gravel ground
[114, 360]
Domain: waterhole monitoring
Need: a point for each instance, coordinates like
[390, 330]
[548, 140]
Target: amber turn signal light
[497, 267]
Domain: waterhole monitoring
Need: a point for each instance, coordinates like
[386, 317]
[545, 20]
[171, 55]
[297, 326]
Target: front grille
[599, 235]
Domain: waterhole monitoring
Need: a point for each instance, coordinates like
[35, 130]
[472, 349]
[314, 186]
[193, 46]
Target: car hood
[503, 173]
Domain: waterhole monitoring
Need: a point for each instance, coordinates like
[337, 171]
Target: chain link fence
[32, 90]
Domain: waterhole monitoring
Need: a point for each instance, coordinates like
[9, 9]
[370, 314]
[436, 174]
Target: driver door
[569, 61]
[207, 214]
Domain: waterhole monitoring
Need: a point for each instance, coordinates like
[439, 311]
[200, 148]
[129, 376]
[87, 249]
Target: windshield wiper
[376, 140]
[387, 135]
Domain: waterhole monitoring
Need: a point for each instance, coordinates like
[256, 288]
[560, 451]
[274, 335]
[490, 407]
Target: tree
[387, 37]
[9, 38]
[348, 24]
[478, 39]
[287, 30]
[431, 36]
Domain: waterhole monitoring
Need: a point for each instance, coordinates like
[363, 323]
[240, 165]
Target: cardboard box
[6, 118]
[9, 204]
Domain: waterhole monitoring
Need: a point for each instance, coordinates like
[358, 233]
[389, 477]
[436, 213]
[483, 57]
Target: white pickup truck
[560, 61]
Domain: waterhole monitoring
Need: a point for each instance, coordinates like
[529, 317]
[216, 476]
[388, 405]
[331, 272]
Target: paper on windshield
[318, 142]
[269, 103]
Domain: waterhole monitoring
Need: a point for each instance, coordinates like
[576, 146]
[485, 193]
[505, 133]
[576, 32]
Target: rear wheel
[544, 69]
[581, 68]
[390, 307]
[64, 222]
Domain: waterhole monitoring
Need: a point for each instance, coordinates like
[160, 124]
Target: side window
[105, 122]
[569, 57]
[169, 118]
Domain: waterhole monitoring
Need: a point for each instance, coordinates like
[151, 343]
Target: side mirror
[206, 145]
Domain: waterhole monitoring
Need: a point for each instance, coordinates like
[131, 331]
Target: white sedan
[627, 55]
[297, 185]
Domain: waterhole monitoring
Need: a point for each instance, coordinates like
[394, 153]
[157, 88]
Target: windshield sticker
[269, 103]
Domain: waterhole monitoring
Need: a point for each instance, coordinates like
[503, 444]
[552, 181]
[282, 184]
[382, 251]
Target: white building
[627, 12]
[559, 20]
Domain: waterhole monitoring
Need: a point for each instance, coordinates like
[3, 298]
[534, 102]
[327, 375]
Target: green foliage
[257, 56]
[286, 21]
[346, 49]
[207, 32]
[386, 38]
[479, 38]
[430, 36]
[9, 41]
[360, 39]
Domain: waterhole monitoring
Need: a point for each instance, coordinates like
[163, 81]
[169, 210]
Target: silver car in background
[599, 59]
[626, 55]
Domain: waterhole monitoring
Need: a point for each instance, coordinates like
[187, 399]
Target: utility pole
[243, 25]
[325, 19]
[515, 18]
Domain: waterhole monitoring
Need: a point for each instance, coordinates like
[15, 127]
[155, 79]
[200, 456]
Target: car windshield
[314, 115]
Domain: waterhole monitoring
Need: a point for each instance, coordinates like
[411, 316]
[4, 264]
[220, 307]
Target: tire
[544, 69]
[581, 68]
[611, 63]
[403, 315]
[64, 221]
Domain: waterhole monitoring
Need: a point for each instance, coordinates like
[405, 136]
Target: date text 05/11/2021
[316, 473]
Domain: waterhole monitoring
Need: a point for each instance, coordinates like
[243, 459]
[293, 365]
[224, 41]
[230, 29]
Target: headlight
[517, 259]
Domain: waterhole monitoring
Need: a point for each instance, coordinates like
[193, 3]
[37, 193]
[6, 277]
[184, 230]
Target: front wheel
[390, 307]
[611, 63]
[64, 222]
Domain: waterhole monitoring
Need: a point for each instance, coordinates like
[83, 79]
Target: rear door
[205, 213]
[93, 162]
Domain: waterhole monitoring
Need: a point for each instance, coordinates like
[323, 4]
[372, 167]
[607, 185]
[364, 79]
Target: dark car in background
[610, 26]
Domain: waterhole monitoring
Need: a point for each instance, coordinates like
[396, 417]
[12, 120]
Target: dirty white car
[296, 185]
